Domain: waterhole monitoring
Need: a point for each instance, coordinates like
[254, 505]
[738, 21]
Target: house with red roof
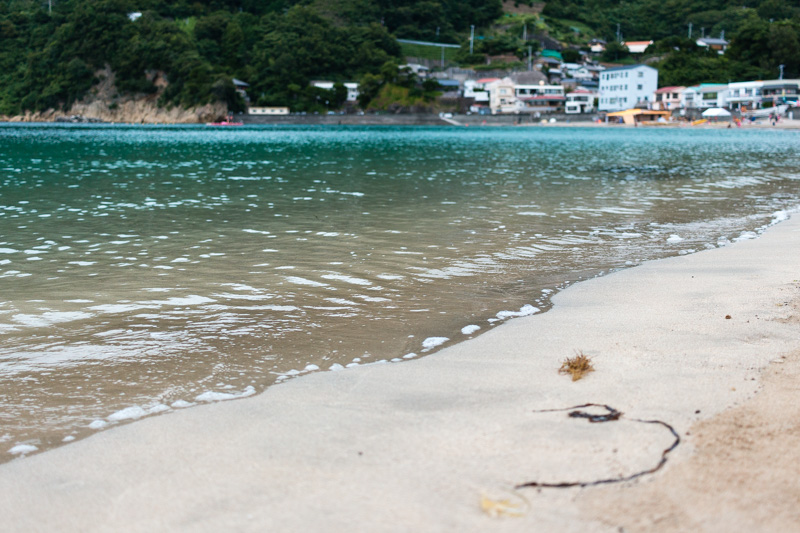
[637, 47]
[668, 98]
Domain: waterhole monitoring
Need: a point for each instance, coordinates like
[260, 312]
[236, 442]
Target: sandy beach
[706, 344]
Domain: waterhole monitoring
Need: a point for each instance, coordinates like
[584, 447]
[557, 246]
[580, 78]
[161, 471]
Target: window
[641, 74]
[639, 87]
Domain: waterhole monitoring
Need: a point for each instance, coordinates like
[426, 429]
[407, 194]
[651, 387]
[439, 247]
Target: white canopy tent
[717, 112]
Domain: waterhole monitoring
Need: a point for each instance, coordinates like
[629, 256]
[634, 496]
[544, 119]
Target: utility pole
[781, 75]
[703, 33]
[442, 56]
[525, 32]
[618, 36]
[690, 30]
[471, 37]
[530, 59]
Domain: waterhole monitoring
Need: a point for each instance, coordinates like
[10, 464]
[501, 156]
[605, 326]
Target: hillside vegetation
[187, 53]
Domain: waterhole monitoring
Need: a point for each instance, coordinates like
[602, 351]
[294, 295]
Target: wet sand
[440, 443]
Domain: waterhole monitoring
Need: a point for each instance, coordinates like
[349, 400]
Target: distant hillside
[763, 34]
[49, 59]
[186, 54]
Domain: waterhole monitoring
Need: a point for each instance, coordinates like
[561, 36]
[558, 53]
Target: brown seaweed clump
[577, 366]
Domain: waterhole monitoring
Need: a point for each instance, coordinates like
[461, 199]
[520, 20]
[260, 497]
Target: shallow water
[144, 269]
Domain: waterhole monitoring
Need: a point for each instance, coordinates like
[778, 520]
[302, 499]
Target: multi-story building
[501, 96]
[705, 96]
[667, 98]
[749, 95]
[580, 101]
[540, 98]
[625, 87]
[744, 95]
[778, 92]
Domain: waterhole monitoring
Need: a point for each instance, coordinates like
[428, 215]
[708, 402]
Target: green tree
[233, 45]
[368, 88]
[615, 51]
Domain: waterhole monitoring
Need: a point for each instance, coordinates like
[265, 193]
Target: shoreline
[392, 447]
[431, 119]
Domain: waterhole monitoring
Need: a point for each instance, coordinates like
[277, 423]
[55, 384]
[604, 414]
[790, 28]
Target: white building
[541, 98]
[476, 89]
[778, 92]
[577, 72]
[580, 101]
[668, 98]
[267, 110]
[420, 70]
[745, 94]
[597, 46]
[352, 88]
[625, 87]
[705, 96]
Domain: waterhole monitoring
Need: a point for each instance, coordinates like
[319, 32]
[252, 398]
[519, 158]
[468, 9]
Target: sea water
[147, 269]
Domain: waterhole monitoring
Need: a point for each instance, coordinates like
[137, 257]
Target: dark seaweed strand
[612, 415]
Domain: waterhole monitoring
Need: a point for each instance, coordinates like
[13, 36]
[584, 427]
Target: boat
[224, 123]
[228, 121]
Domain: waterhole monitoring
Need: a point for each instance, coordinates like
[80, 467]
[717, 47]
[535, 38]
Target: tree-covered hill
[764, 34]
[52, 51]
[49, 58]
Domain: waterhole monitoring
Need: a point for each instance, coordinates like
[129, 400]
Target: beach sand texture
[439, 443]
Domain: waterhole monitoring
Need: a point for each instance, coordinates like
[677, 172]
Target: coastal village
[590, 90]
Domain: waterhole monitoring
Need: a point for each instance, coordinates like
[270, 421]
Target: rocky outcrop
[103, 103]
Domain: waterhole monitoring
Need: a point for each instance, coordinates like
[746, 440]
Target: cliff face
[103, 103]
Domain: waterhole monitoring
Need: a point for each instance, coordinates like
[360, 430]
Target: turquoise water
[145, 269]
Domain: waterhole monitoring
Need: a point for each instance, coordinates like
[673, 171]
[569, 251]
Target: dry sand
[439, 443]
[744, 474]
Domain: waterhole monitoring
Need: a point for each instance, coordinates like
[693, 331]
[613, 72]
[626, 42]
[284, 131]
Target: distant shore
[400, 119]
[475, 120]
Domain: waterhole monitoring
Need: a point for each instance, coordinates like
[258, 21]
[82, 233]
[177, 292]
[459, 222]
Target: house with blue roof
[627, 87]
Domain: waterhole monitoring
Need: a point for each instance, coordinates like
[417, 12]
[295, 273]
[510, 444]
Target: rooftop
[670, 89]
[629, 67]
[712, 40]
